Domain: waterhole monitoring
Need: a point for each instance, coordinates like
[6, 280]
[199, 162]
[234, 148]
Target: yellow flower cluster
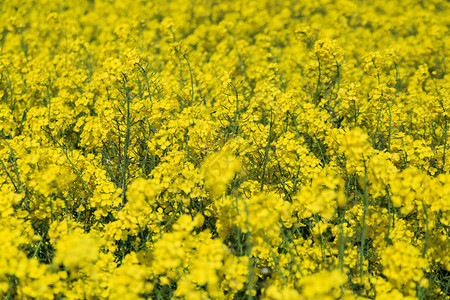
[224, 149]
[218, 170]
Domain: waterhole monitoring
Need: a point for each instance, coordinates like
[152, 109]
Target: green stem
[341, 228]
[425, 245]
[445, 143]
[275, 259]
[248, 253]
[127, 144]
[363, 233]
[192, 79]
[266, 152]
[10, 87]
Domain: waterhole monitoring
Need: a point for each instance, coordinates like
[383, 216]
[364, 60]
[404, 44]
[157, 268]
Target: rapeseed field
[201, 149]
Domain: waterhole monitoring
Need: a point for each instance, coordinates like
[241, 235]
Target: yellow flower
[218, 170]
[77, 251]
[404, 266]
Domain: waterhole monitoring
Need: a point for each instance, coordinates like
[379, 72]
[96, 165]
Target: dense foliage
[274, 149]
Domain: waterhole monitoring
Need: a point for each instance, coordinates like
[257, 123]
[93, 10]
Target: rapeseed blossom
[224, 149]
